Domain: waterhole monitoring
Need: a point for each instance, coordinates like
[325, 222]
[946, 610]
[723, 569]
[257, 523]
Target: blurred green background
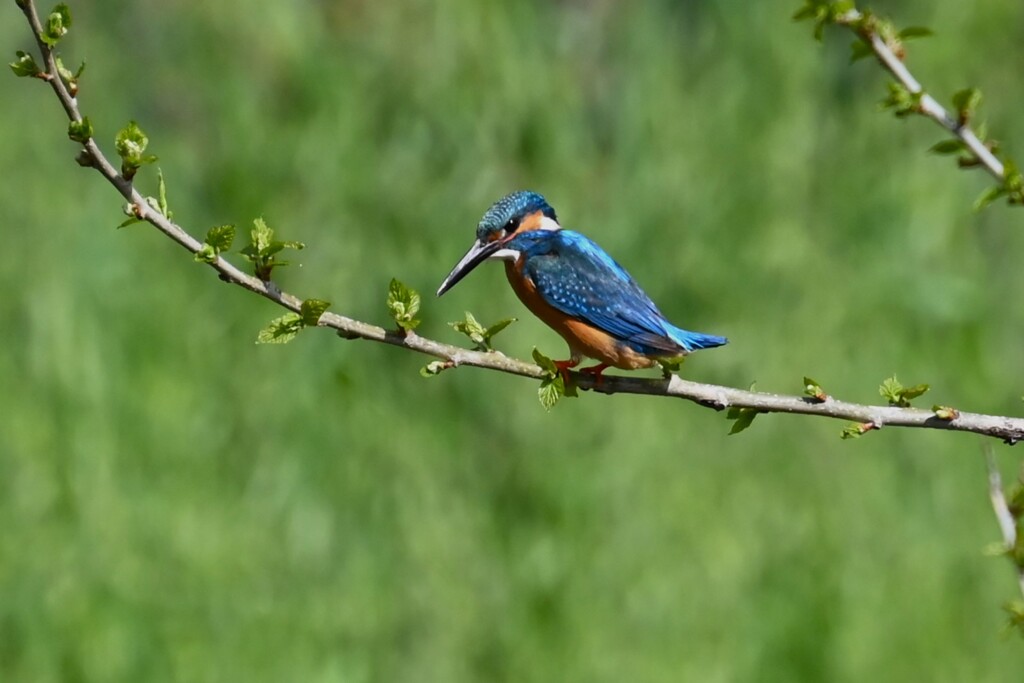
[180, 504]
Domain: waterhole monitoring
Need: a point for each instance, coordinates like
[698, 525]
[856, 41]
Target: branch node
[713, 403]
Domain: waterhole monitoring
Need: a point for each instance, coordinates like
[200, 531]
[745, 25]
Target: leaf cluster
[263, 249]
[282, 330]
[554, 385]
[813, 389]
[898, 395]
[403, 304]
[742, 418]
[24, 66]
[56, 25]
[478, 334]
[218, 240]
[80, 131]
[822, 13]
[131, 143]
[901, 101]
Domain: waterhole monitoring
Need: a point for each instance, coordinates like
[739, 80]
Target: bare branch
[1008, 429]
[1007, 522]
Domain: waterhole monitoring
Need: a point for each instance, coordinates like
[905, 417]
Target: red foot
[564, 366]
[597, 371]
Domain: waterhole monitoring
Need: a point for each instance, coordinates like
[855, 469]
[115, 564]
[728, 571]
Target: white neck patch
[505, 255]
[548, 224]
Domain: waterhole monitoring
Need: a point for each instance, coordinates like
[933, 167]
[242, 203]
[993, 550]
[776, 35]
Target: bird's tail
[691, 341]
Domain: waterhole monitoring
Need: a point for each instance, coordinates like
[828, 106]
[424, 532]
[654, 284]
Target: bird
[576, 288]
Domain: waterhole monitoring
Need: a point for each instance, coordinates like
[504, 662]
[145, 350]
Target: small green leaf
[670, 365]
[1012, 174]
[218, 240]
[912, 32]
[80, 131]
[545, 363]
[553, 386]
[808, 11]
[497, 327]
[262, 249]
[261, 235]
[403, 304]
[813, 389]
[221, 237]
[71, 79]
[821, 12]
[742, 417]
[312, 309]
[898, 395]
[966, 102]
[890, 390]
[471, 328]
[550, 392]
[130, 143]
[436, 368]
[910, 393]
[205, 255]
[953, 146]
[856, 430]
[1015, 501]
[25, 65]
[480, 336]
[129, 209]
[859, 50]
[162, 195]
[64, 72]
[1015, 616]
[553, 389]
[902, 101]
[988, 196]
[280, 330]
[945, 412]
[56, 25]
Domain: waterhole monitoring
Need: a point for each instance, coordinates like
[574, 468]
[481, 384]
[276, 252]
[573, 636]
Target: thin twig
[929, 106]
[1008, 429]
[1007, 523]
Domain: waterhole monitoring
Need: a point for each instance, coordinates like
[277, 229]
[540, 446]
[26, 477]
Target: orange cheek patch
[531, 222]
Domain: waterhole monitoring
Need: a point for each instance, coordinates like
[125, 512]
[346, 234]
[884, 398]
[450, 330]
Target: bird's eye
[510, 227]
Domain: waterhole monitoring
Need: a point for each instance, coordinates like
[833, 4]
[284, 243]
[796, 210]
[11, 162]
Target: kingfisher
[576, 288]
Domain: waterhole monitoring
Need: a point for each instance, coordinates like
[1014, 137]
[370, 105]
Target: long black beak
[476, 255]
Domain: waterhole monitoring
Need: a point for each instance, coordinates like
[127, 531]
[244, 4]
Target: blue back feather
[574, 275]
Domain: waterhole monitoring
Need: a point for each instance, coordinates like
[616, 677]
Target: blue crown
[512, 207]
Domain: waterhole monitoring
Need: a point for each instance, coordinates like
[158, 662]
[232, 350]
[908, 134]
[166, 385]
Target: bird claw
[564, 366]
[597, 371]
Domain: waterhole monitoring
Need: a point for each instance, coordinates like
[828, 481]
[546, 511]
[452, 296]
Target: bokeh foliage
[179, 503]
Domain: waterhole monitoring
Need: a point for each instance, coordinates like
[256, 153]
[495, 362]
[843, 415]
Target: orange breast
[583, 338]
